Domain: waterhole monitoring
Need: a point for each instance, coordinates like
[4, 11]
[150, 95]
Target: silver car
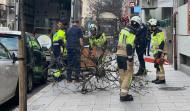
[8, 75]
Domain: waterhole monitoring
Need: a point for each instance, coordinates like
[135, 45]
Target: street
[95, 55]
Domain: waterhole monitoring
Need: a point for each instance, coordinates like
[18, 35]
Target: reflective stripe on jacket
[157, 39]
[127, 37]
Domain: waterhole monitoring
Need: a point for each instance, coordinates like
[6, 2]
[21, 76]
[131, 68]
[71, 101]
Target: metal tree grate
[172, 88]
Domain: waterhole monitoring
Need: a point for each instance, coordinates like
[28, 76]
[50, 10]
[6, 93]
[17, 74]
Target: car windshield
[11, 43]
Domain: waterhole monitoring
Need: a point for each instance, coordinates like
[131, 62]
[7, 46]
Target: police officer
[159, 50]
[59, 41]
[141, 48]
[125, 52]
[98, 39]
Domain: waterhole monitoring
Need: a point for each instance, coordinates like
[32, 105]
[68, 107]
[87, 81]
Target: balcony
[151, 4]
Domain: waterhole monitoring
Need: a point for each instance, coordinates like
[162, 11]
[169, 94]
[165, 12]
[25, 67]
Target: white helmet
[136, 21]
[153, 22]
[93, 27]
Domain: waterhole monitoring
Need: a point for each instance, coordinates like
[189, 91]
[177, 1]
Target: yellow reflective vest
[60, 35]
[98, 42]
[157, 39]
[127, 37]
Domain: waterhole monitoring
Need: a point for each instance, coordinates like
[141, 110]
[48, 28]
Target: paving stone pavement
[155, 100]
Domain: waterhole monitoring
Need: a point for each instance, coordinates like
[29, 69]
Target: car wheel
[29, 83]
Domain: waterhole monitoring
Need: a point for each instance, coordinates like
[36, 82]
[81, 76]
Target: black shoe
[148, 54]
[160, 82]
[153, 81]
[126, 98]
[138, 74]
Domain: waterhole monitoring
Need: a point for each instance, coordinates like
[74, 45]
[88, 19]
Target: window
[4, 54]
[34, 43]
[11, 42]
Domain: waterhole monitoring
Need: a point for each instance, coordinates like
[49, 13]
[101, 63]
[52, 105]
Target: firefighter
[59, 48]
[125, 20]
[98, 39]
[159, 50]
[125, 54]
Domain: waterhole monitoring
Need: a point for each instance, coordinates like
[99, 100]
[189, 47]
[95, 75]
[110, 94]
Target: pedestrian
[125, 55]
[57, 36]
[98, 39]
[148, 38]
[159, 50]
[141, 48]
[74, 39]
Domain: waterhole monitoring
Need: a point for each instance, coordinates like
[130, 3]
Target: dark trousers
[140, 52]
[58, 57]
[122, 62]
[148, 47]
[73, 62]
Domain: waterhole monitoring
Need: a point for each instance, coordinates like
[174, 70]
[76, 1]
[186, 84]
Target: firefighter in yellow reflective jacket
[159, 50]
[59, 49]
[99, 40]
[125, 57]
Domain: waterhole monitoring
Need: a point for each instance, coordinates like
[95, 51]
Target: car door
[37, 54]
[8, 75]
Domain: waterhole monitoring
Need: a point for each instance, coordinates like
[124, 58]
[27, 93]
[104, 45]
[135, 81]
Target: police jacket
[141, 37]
[126, 43]
[148, 34]
[158, 42]
[59, 40]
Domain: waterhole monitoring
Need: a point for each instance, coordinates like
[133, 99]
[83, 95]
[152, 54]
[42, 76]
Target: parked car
[8, 75]
[36, 60]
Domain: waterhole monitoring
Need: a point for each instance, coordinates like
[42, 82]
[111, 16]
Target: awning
[107, 15]
[165, 3]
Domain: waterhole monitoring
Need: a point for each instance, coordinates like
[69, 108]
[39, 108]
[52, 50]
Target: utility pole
[22, 58]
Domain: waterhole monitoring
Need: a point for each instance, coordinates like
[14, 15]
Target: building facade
[3, 12]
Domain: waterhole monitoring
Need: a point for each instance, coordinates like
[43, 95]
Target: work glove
[159, 54]
[155, 55]
[155, 65]
[161, 61]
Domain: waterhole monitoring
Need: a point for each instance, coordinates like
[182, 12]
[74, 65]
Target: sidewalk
[53, 99]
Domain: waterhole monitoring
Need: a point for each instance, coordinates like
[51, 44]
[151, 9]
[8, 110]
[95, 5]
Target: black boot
[160, 82]
[153, 81]
[126, 98]
[140, 72]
